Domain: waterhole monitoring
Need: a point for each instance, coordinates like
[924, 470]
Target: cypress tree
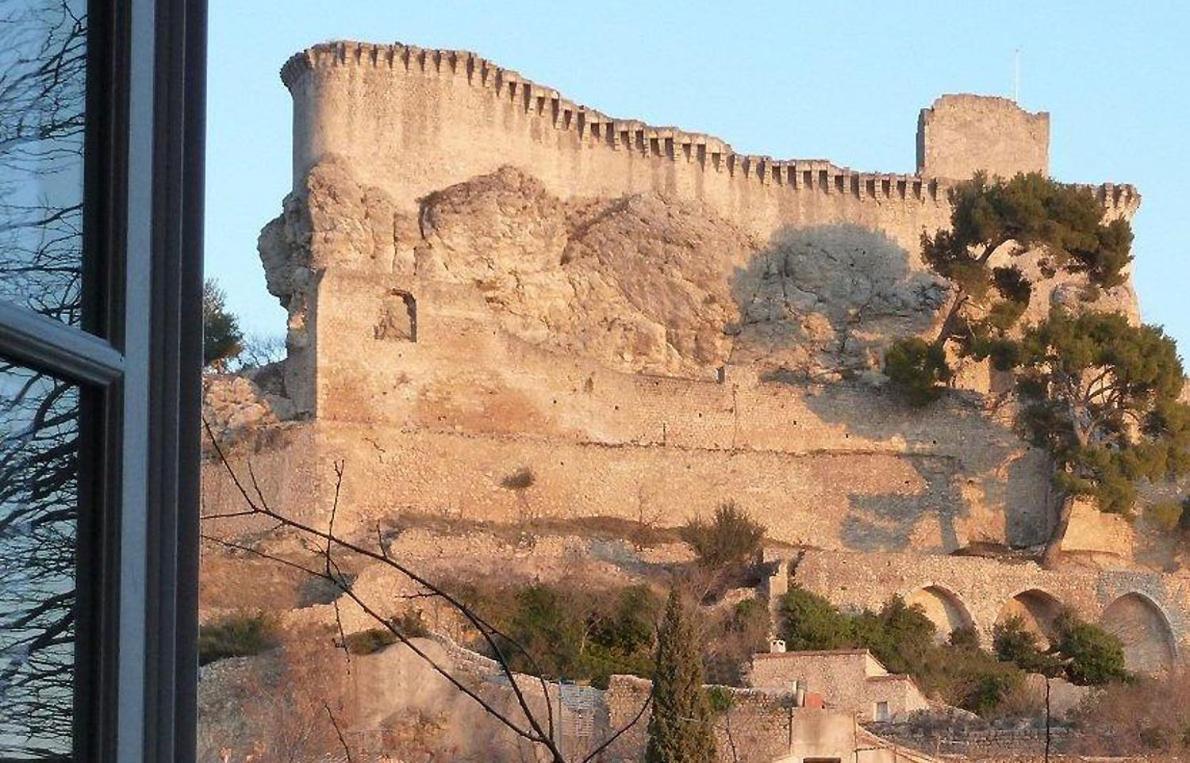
[680, 728]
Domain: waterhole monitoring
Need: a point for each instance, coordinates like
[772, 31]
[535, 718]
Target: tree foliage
[680, 728]
[581, 635]
[1082, 653]
[809, 621]
[222, 339]
[1012, 217]
[1013, 641]
[1099, 393]
[917, 369]
[1101, 396]
[1092, 656]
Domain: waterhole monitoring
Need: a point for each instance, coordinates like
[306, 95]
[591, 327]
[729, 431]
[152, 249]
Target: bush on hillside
[1093, 656]
[732, 639]
[901, 636]
[241, 634]
[809, 621]
[1014, 642]
[731, 540]
[917, 370]
[368, 641]
[579, 635]
[1145, 716]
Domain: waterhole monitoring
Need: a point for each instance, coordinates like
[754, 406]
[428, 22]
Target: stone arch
[397, 321]
[1139, 622]
[944, 608]
[1037, 608]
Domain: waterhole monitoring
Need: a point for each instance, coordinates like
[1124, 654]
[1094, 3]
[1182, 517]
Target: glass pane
[42, 95]
[39, 427]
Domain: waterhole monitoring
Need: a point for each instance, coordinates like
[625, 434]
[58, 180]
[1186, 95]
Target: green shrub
[917, 370]
[808, 621]
[411, 624]
[1093, 656]
[719, 699]
[241, 634]
[964, 637]
[520, 479]
[1166, 516]
[983, 682]
[369, 641]
[904, 640]
[1014, 642]
[580, 635]
[730, 540]
[900, 636]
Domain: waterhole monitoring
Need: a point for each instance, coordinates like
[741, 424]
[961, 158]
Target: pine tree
[1103, 397]
[222, 339]
[680, 728]
[1009, 217]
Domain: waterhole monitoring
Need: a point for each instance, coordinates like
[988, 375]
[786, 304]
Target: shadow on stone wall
[821, 303]
[818, 307]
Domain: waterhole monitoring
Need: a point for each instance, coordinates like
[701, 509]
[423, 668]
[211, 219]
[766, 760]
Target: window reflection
[42, 99]
[39, 418]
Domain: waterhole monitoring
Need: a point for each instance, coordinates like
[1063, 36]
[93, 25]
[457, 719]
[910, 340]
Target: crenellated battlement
[412, 120]
[593, 128]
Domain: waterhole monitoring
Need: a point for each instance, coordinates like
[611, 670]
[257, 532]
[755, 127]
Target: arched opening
[1149, 644]
[1037, 609]
[397, 321]
[943, 608]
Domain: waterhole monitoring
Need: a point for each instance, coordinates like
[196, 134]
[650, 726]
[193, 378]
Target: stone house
[849, 680]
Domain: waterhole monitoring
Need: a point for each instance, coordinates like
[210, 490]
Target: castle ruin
[485, 279]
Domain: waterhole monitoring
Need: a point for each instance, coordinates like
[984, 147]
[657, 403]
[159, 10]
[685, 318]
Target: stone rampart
[411, 121]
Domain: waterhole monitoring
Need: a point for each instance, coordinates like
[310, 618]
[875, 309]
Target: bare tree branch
[536, 732]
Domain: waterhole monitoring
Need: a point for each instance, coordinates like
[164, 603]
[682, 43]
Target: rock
[233, 404]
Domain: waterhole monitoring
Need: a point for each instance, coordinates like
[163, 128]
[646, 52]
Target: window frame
[137, 359]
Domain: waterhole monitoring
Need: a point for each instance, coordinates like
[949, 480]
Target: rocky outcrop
[233, 404]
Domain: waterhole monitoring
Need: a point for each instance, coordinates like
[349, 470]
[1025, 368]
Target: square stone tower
[960, 135]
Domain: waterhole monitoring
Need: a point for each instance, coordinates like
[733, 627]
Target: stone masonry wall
[1148, 610]
[960, 135]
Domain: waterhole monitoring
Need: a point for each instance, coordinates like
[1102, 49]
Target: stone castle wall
[419, 356]
[412, 121]
[389, 339]
[465, 405]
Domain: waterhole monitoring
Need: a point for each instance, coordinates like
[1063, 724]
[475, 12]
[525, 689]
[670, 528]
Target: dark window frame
[140, 371]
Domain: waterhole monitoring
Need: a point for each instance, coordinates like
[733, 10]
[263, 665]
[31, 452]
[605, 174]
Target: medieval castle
[503, 304]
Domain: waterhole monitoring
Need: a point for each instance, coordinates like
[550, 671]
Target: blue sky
[836, 80]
